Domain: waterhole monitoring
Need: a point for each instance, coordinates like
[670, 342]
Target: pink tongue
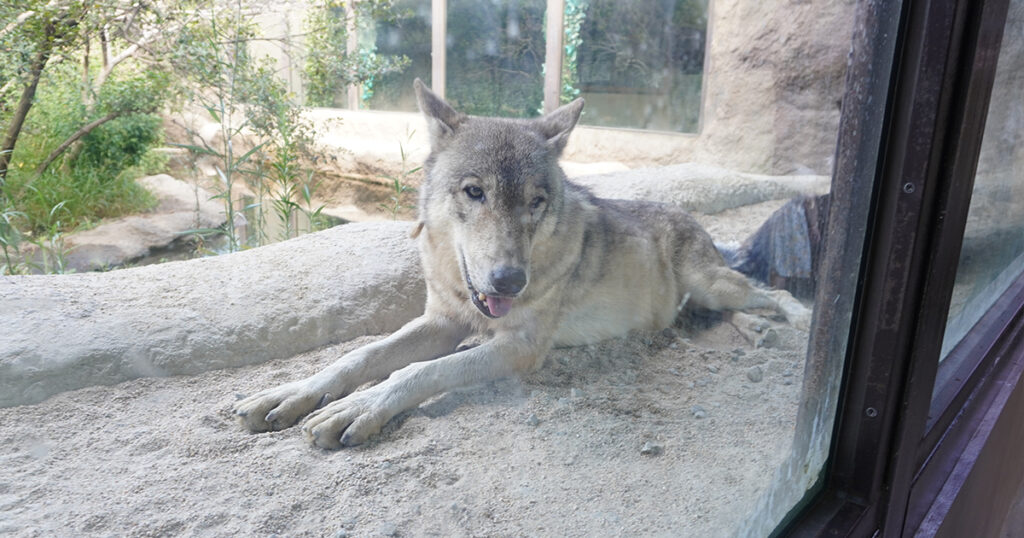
[499, 306]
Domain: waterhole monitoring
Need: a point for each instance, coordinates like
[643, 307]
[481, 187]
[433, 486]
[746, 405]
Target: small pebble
[532, 420]
[668, 332]
[698, 411]
[712, 368]
[703, 382]
[575, 393]
[674, 371]
[341, 534]
[673, 345]
[650, 449]
[389, 529]
[755, 374]
[787, 381]
[690, 384]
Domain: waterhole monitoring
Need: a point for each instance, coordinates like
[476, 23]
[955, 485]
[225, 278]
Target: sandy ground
[674, 433]
[559, 453]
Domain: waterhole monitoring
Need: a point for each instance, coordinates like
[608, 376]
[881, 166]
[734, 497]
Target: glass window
[992, 255]
[700, 423]
[495, 57]
[638, 64]
[404, 34]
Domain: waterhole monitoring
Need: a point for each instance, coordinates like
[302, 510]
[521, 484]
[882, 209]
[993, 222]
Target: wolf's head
[493, 186]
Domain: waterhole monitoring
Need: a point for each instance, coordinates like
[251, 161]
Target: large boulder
[63, 332]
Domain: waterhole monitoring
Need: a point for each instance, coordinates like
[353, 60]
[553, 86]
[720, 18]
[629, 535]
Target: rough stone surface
[63, 332]
[180, 207]
[701, 188]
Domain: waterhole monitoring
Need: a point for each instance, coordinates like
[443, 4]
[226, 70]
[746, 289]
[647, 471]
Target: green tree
[37, 32]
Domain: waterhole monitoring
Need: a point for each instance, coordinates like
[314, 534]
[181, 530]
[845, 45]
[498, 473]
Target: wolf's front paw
[279, 407]
[351, 420]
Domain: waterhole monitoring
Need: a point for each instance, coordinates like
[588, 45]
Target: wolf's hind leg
[722, 288]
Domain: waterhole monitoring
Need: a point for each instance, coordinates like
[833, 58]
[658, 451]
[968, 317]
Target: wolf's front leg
[424, 338]
[353, 419]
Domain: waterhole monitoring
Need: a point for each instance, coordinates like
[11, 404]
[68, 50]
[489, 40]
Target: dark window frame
[894, 448]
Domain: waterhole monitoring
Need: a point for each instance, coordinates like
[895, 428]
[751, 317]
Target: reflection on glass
[495, 57]
[637, 63]
[992, 255]
[406, 35]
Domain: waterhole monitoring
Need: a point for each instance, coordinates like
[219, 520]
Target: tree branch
[86, 129]
[16, 22]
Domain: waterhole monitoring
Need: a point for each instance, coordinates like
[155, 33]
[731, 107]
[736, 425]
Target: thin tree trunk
[86, 129]
[21, 112]
[86, 86]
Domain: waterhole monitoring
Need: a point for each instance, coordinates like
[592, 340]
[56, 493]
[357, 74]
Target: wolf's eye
[537, 202]
[474, 193]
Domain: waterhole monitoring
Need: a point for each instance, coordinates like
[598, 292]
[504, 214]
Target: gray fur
[594, 269]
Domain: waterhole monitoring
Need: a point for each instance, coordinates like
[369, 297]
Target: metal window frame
[889, 466]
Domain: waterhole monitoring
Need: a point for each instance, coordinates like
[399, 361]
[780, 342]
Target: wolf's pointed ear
[442, 119]
[558, 125]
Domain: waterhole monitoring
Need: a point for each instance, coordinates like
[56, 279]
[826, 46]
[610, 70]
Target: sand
[654, 434]
[673, 433]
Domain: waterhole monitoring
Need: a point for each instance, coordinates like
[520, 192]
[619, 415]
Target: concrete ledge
[63, 332]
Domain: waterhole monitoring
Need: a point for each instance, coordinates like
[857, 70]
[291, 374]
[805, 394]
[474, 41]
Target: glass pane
[404, 34]
[711, 418]
[992, 255]
[495, 57]
[638, 64]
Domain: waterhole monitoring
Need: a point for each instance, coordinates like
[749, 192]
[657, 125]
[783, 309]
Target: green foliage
[639, 62]
[99, 182]
[572, 23]
[246, 96]
[407, 34]
[99, 134]
[330, 67]
[399, 184]
[121, 143]
[495, 57]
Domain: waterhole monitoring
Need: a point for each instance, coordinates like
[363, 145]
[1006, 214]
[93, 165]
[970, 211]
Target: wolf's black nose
[508, 280]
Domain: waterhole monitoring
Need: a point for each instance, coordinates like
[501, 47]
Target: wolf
[512, 250]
